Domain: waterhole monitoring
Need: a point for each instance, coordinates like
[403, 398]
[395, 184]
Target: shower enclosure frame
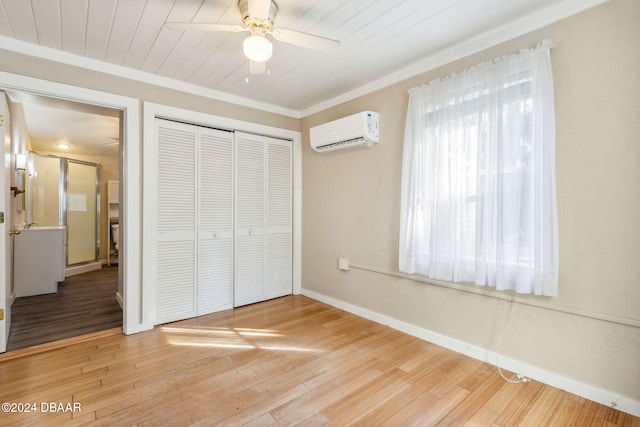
[63, 201]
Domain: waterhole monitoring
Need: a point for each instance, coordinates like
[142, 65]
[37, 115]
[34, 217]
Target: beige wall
[351, 204]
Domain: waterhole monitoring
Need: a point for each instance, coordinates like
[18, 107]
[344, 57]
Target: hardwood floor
[84, 304]
[288, 361]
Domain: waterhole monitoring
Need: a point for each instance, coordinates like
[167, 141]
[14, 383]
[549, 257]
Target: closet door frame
[151, 111]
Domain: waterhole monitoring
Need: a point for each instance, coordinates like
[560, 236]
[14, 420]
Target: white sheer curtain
[478, 177]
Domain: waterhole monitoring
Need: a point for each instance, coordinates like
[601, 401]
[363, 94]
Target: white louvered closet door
[222, 220]
[175, 222]
[279, 218]
[249, 284]
[263, 246]
[215, 221]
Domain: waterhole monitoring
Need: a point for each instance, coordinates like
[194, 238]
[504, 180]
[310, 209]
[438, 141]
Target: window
[478, 178]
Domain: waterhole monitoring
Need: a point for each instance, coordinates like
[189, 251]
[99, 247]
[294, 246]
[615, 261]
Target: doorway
[74, 151]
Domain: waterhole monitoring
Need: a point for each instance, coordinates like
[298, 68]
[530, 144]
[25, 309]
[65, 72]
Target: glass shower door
[46, 186]
[82, 212]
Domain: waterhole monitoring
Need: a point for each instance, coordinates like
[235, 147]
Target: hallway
[84, 303]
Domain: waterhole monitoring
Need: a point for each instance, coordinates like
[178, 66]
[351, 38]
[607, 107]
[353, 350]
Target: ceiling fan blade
[259, 9]
[305, 40]
[195, 26]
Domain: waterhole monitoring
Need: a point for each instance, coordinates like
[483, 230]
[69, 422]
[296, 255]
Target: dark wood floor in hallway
[84, 303]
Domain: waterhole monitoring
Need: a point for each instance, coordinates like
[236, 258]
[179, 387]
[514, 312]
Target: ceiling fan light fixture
[257, 48]
[258, 17]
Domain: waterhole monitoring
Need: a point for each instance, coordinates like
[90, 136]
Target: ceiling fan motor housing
[259, 24]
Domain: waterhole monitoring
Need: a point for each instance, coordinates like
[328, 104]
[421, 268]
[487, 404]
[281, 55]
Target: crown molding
[67, 58]
[519, 27]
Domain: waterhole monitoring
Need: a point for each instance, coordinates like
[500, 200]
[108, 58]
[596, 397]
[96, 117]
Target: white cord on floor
[519, 377]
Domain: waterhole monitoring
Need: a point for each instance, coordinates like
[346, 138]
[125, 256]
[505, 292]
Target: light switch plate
[343, 264]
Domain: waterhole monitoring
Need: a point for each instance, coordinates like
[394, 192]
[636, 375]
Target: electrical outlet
[343, 264]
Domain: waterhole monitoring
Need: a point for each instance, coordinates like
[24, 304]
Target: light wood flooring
[85, 303]
[288, 361]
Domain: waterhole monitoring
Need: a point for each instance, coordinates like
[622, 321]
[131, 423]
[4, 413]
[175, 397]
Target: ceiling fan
[258, 17]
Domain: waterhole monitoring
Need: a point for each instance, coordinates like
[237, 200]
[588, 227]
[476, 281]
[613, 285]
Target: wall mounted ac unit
[358, 130]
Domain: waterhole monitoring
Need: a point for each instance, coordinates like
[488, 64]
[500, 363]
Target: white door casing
[135, 317]
[5, 238]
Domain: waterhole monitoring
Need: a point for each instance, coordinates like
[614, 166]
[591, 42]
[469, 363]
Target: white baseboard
[12, 298]
[607, 398]
[119, 300]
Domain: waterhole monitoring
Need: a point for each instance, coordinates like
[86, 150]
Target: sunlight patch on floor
[229, 338]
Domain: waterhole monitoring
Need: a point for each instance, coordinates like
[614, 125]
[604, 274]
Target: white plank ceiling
[377, 38]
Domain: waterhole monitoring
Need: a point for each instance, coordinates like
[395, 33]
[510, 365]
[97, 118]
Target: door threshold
[82, 268]
[41, 348]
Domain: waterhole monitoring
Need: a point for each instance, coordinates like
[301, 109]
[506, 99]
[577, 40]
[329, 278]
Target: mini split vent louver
[358, 130]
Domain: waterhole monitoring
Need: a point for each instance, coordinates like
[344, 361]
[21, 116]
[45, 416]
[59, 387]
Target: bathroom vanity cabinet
[39, 260]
